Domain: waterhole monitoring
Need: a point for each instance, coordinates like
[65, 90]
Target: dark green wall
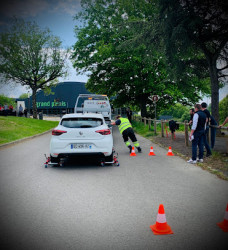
[64, 97]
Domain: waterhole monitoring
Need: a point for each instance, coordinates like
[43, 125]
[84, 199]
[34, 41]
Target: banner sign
[50, 104]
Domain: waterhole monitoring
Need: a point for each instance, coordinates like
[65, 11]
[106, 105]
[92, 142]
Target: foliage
[7, 100]
[24, 96]
[176, 111]
[121, 44]
[223, 109]
[31, 57]
[197, 37]
[14, 128]
[185, 116]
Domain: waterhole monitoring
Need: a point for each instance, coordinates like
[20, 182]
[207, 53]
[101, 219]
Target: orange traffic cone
[224, 223]
[133, 152]
[161, 226]
[151, 151]
[170, 153]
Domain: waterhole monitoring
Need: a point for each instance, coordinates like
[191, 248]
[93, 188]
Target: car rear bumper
[72, 157]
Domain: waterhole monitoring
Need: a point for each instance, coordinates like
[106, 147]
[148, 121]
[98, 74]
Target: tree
[223, 109]
[198, 26]
[120, 44]
[7, 100]
[24, 96]
[31, 56]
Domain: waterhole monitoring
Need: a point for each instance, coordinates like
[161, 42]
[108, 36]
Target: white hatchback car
[81, 135]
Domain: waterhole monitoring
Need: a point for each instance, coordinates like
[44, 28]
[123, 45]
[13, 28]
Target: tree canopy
[31, 56]
[197, 35]
[121, 43]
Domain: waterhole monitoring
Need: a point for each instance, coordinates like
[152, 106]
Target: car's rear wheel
[109, 158]
[54, 159]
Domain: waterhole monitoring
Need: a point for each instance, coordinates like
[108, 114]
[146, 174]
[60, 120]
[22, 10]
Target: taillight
[104, 131]
[58, 132]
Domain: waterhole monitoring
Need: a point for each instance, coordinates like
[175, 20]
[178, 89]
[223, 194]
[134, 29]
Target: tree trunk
[143, 100]
[34, 107]
[214, 89]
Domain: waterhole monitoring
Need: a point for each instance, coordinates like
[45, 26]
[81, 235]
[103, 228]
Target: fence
[163, 124]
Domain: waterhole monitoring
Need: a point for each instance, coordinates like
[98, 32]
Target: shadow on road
[81, 164]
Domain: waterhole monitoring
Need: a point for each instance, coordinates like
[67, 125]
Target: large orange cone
[224, 223]
[161, 226]
[133, 152]
[151, 151]
[170, 153]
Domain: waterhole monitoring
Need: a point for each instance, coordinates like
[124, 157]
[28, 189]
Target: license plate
[80, 146]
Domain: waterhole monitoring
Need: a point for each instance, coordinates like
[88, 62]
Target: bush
[185, 116]
[176, 111]
[223, 109]
[7, 100]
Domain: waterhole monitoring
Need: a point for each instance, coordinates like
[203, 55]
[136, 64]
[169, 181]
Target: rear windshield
[81, 122]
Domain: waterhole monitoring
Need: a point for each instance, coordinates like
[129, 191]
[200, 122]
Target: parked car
[82, 135]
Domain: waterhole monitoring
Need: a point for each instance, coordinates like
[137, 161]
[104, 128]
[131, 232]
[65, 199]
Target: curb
[23, 139]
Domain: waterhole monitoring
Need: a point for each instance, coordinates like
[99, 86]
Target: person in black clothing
[213, 130]
[192, 111]
[205, 142]
[129, 114]
[25, 112]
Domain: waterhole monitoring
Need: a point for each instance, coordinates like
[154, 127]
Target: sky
[57, 15]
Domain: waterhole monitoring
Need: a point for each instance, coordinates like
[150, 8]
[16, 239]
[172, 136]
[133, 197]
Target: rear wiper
[86, 126]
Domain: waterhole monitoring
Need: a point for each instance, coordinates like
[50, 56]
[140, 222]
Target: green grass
[14, 128]
[143, 130]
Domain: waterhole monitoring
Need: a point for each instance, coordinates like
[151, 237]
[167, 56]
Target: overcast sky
[57, 15]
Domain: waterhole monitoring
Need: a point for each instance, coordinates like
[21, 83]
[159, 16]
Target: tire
[109, 158]
[54, 159]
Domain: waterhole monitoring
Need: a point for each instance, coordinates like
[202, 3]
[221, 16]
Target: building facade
[61, 100]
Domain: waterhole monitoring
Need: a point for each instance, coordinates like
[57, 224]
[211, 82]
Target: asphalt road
[92, 207]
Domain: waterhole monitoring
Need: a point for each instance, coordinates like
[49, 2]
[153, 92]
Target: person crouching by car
[197, 133]
[126, 131]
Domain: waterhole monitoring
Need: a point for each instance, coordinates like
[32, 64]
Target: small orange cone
[224, 223]
[170, 153]
[133, 152]
[151, 151]
[161, 226]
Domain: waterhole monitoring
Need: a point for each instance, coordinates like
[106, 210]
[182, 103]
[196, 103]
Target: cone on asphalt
[161, 226]
[133, 152]
[151, 151]
[224, 224]
[170, 153]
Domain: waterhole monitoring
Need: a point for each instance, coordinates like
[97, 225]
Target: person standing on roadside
[222, 125]
[6, 109]
[205, 142]
[20, 111]
[213, 131]
[25, 112]
[129, 114]
[197, 133]
[191, 112]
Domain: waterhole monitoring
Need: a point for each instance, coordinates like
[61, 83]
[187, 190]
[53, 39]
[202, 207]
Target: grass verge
[14, 128]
